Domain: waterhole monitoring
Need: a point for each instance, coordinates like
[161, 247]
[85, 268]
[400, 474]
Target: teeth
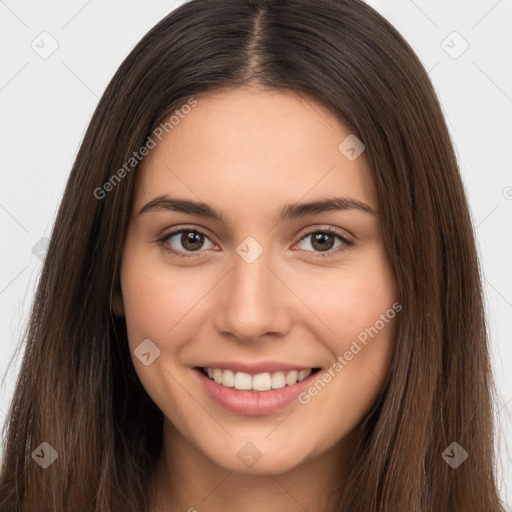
[262, 382]
[291, 378]
[217, 376]
[242, 381]
[303, 374]
[278, 380]
[259, 382]
[228, 378]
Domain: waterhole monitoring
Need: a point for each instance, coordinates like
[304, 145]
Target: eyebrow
[289, 211]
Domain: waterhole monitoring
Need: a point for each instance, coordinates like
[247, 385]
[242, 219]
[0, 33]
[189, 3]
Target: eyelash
[346, 243]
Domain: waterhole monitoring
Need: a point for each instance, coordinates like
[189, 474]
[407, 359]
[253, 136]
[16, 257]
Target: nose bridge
[253, 300]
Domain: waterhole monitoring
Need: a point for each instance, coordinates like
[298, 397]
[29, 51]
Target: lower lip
[253, 403]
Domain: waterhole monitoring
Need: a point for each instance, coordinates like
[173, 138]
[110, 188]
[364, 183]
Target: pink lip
[252, 403]
[254, 368]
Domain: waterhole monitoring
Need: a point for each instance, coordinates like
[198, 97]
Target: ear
[117, 301]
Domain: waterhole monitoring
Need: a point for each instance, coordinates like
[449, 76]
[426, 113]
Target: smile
[254, 394]
[266, 381]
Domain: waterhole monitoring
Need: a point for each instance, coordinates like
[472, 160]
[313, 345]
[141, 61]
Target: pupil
[324, 240]
[191, 240]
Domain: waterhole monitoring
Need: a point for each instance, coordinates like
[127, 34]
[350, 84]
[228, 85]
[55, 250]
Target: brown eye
[325, 241]
[322, 241]
[186, 241]
[191, 240]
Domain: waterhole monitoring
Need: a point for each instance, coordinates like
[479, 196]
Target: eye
[190, 240]
[324, 241]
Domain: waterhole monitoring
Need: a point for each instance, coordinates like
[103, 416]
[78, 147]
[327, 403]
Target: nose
[253, 301]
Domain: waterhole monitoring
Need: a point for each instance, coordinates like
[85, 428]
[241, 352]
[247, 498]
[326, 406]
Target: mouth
[259, 382]
[254, 394]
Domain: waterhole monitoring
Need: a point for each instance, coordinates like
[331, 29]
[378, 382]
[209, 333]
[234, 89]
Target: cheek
[162, 306]
[158, 303]
[356, 302]
[146, 306]
[362, 311]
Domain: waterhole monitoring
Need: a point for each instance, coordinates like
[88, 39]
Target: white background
[46, 104]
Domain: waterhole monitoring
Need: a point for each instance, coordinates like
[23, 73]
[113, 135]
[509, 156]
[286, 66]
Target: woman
[262, 289]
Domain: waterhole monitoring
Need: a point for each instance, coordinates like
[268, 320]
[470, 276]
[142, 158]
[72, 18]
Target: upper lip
[255, 367]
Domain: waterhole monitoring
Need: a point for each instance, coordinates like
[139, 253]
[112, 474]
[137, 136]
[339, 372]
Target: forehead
[254, 147]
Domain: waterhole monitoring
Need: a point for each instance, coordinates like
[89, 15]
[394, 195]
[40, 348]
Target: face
[290, 308]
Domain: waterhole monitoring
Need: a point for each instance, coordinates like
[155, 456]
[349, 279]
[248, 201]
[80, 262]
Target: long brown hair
[77, 389]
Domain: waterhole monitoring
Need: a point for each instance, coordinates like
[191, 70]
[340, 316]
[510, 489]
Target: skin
[248, 152]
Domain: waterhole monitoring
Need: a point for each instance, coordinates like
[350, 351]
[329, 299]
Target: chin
[249, 460]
